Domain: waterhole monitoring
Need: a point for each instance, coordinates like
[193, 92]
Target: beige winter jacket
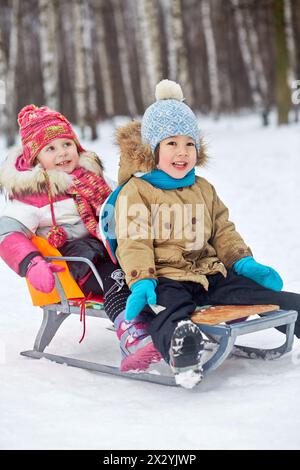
[182, 234]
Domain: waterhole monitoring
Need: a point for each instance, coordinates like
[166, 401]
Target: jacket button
[151, 271]
[194, 220]
[134, 273]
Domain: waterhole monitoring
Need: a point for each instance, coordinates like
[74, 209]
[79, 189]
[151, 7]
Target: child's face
[60, 154]
[177, 156]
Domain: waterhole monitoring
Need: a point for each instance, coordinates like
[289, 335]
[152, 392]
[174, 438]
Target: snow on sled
[221, 326]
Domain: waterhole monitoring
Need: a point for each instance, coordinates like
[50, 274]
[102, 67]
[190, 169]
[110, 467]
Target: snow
[188, 379]
[244, 404]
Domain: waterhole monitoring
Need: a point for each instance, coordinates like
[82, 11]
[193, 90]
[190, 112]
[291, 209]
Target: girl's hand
[40, 274]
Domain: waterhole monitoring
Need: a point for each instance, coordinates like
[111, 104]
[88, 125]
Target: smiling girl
[55, 190]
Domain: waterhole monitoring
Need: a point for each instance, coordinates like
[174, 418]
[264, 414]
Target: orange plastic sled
[70, 286]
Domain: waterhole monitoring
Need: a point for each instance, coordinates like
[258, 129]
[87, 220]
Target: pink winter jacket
[28, 210]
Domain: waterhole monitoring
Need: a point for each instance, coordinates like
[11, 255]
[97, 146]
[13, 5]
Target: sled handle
[73, 258]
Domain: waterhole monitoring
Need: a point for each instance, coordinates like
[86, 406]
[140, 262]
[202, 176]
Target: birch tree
[282, 91]
[224, 35]
[150, 40]
[170, 44]
[140, 31]
[124, 58]
[179, 52]
[91, 116]
[49, 52]
[67, 60]
[290, 40]
[80, 73]
[102, 52]
[247, 58]
[213, 72]
[258, 66]
[291, 49]
[11, 117]
[3, 68]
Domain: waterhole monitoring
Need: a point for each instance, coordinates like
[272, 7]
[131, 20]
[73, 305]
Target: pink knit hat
[38, 127]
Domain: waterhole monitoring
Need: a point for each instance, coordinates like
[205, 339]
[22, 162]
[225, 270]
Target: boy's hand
[143, 293]
[40, 274]
[263, 275]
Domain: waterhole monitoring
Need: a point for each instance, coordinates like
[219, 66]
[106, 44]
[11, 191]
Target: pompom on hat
[168, 116]
[38, 127]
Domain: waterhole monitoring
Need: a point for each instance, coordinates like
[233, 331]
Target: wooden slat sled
[212, 320]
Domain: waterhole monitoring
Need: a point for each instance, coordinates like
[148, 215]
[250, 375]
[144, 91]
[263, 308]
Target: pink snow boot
[137, 349]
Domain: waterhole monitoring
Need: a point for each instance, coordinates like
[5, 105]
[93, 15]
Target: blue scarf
[162, 180]
[159, 179]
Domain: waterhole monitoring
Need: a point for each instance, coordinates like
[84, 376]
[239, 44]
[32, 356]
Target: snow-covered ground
[245, 404]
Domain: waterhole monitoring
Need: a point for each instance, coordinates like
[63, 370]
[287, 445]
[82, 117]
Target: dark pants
[115, 290]
[181, 299]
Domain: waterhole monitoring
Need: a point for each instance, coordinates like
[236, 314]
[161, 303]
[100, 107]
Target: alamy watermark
[181, 222]
[2, 92]
[296, 92]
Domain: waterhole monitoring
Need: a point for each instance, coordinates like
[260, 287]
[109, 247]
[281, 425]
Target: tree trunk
[290, 41]
[11, 115]
[67, 72]
[141, 31]
[170, 44]
[182, 66]
[92, 108]
[3, 68]
[102, 51]
[148, 14]
[248, 61]
[213, 72]
[259, 68]
[49, 52]
[283, 99]
[224, 35]
[291, 48]
[80, 73]
[124, 58]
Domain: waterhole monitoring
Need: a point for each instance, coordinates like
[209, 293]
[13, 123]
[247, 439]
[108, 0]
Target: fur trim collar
[135, 156]
[14, 182]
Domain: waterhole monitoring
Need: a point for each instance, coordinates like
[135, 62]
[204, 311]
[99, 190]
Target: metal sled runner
[220, 341]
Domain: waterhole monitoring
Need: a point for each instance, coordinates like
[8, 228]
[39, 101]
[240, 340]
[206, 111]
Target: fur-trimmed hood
[136, 156]
[14, 182]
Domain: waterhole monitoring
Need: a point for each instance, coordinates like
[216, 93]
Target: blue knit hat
[168, 116]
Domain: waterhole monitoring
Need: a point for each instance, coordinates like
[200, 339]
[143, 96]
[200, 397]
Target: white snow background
[244, 404]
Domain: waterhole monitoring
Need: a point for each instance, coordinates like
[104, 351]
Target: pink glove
[40, 274]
